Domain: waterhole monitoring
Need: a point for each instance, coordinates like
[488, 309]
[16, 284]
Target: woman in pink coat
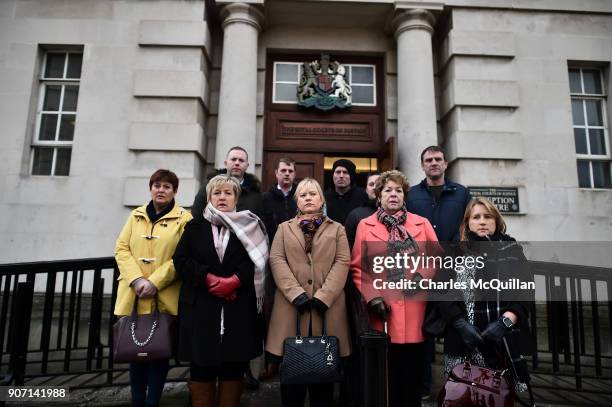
[383, 270]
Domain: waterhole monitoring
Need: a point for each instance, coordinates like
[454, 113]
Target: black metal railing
[56, 320]
[567, 331]
[59, 320]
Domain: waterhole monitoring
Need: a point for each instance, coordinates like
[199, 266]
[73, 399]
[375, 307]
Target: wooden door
[387, 158]
[306, 165]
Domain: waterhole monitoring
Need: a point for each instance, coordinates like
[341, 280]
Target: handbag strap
[513, 367]
[134, 314]
[298, 329]
[134, 322]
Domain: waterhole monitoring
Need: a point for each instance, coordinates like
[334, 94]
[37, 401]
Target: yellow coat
[145, 249]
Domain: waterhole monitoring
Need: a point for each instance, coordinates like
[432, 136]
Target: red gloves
[223, 287]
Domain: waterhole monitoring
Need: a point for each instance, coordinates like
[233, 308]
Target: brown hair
[237, 148]
[164, 176]
[433, 149]
[500, 223]
[286, 160]
[393, 175]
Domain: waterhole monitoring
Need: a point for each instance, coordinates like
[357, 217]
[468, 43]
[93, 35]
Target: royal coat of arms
[323, 85]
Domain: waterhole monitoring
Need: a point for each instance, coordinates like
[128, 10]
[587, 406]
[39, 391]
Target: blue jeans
[147, 382]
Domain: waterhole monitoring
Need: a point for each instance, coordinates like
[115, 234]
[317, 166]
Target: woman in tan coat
[309, 261]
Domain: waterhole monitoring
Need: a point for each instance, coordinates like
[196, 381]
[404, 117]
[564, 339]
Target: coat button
[309, 281]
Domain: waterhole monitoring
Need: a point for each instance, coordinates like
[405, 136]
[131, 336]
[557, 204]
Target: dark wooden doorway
[306, 165]
[308, 135]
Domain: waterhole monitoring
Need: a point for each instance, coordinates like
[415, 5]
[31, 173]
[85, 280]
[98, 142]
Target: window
[590, 127]
[56, 114]
[286, 78]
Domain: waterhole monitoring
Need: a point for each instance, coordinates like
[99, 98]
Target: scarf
[399, 238]
[400, 241]
[309, 228]
[251, 232]
[154, 216]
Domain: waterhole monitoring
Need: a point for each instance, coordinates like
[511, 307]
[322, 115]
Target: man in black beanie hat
[344, 196]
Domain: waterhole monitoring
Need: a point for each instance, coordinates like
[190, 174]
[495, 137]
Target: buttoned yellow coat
[145, 249]
[321, 274]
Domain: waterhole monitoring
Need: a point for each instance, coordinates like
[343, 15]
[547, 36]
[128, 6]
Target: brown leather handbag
[143, 338]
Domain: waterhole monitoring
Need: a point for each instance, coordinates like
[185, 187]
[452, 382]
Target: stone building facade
[96, 95]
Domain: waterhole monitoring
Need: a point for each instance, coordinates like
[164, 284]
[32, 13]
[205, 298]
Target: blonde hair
[500, 224]
[220, 180]
[305, 183]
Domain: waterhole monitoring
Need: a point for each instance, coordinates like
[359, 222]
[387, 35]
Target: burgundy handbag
[474, 386]
[143, 338]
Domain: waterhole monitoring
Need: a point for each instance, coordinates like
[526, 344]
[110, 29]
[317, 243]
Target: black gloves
[470, 335]
[318, 305]
[378, 306]
[305, 304]
[495, 331]
[302, 303]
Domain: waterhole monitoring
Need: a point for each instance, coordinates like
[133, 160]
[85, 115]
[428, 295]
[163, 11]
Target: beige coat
[322, 274]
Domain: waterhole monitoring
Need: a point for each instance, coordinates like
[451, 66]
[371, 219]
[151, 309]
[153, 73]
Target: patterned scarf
[251, 232]
[309, 227]
[400, 241]
[398, 235]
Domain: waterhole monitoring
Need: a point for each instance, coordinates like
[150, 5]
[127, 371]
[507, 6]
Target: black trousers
[320, 395]
[147, 382]
[224, 372]
[406, 362]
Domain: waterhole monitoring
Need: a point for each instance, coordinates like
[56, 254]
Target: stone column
[416, 103]
[238, 92]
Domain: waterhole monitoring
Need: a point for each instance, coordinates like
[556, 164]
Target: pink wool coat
[407, 313]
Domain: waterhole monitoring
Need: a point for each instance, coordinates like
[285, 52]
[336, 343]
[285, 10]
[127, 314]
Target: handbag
[310, 359]
[143, 338]
[474, 386]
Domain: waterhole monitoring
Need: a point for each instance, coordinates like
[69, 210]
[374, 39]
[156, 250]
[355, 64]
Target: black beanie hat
[350, 167]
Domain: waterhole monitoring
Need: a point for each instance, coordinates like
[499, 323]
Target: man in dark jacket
[279, 203]
[357, 214]
[344, 196]
[441, 201]
[236, 163]
[358, 321]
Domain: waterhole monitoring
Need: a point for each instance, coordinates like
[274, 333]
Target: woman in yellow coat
[144, 252]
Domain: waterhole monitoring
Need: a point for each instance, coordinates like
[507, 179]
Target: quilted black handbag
[310, 359]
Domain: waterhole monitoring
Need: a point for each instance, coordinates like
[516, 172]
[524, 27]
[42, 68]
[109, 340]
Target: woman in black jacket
[221, 260]
[479, 319]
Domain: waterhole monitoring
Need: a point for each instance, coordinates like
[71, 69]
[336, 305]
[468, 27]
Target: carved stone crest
[323, 85]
